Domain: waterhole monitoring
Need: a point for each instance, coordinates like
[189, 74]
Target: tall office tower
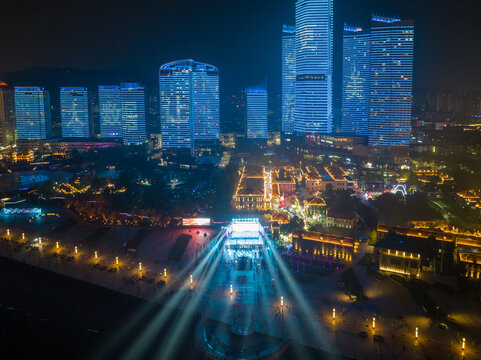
[110, 111]
[32, 112]
[7, 115]
[288, 77]
[189, 104]
[133, 113]
[392, 49]
[74, 112]
[314, 49]
[256, 111]
[356, 72]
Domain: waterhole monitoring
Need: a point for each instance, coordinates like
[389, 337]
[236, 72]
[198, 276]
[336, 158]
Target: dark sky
[241, 37]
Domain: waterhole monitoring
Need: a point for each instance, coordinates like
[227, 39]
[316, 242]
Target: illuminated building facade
[7, 115]
[392, 50]
[355, 80]
[256, 112]
[288, 77]
[314, 51]
[133, 113]
[189, 105]
[252, 194]
[328, 178]
[110, 111]
[74, 112]
[319, 246]
[32, 113]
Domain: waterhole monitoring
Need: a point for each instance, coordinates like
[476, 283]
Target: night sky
[241, 37]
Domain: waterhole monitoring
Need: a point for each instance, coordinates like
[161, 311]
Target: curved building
[189, 104]
[314, 49]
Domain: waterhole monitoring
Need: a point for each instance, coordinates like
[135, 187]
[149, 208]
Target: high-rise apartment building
[7, 115]
[314, 51]
[288, 77]
[256, 111]
[392, 48]
[133, 113]
[74, 112]
[189, 104]
[32, 112]
[110, 111]
[356, 71]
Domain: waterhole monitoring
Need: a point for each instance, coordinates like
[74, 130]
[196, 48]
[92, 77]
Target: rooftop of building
[253, 171]
[324, 238]
[188, 65]
[340, 214]
[400, 242]
[315, 201]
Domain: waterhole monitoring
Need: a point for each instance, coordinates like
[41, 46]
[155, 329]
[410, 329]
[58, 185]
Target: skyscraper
[74, 112]
[392, 47]
[7, 115]
[189, 104]
[356, 73]
[32, 112]
[256, 111]
[314, 49]
[288, 77]
[110, 110]
[133, 113]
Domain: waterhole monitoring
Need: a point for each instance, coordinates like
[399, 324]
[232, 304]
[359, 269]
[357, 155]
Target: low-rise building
[319, 245]
[341, 219]
[315, 206]
[327, 178]
[250, 194]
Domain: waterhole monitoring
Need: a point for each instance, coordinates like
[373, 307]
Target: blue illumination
[392, 51]
[256, 97]
[110, 110]
[314, 54]
[355, 81]
[133, 113]
[74, 112]
[189, 104]
[32, 111]
[384, 19]
[288, 77]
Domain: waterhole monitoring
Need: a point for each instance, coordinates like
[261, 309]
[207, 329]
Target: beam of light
[145, 338]
[122, 335]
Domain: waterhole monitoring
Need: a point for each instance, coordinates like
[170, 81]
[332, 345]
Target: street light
[8, 232]
[463, 344]
[231, 290]
[39, 241]
[333, 314]
[96, 255]
[282, 301]
[416, 332]
[191, 279]
[373, 322]
[165, 272]
[116, 260]
[140, 266]
[76, 250]
[56, 244]
[23, 236]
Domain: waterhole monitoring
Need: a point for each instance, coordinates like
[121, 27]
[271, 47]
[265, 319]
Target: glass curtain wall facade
[74, 112]
[256, 111]
[133, 113]
[110, 111]
[356, 73]
[189, 104]
[314, 50]
[392, 51]
[288, 77]
[32, 112]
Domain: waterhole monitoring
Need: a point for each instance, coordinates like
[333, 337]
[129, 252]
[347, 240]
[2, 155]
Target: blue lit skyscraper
[32, 111]
[133, 113]
[356, 73]
[314, 50]
[288, 77]
[189, 104]
[392, 50]
[256, 111]
[110, 110]
[74, 112]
